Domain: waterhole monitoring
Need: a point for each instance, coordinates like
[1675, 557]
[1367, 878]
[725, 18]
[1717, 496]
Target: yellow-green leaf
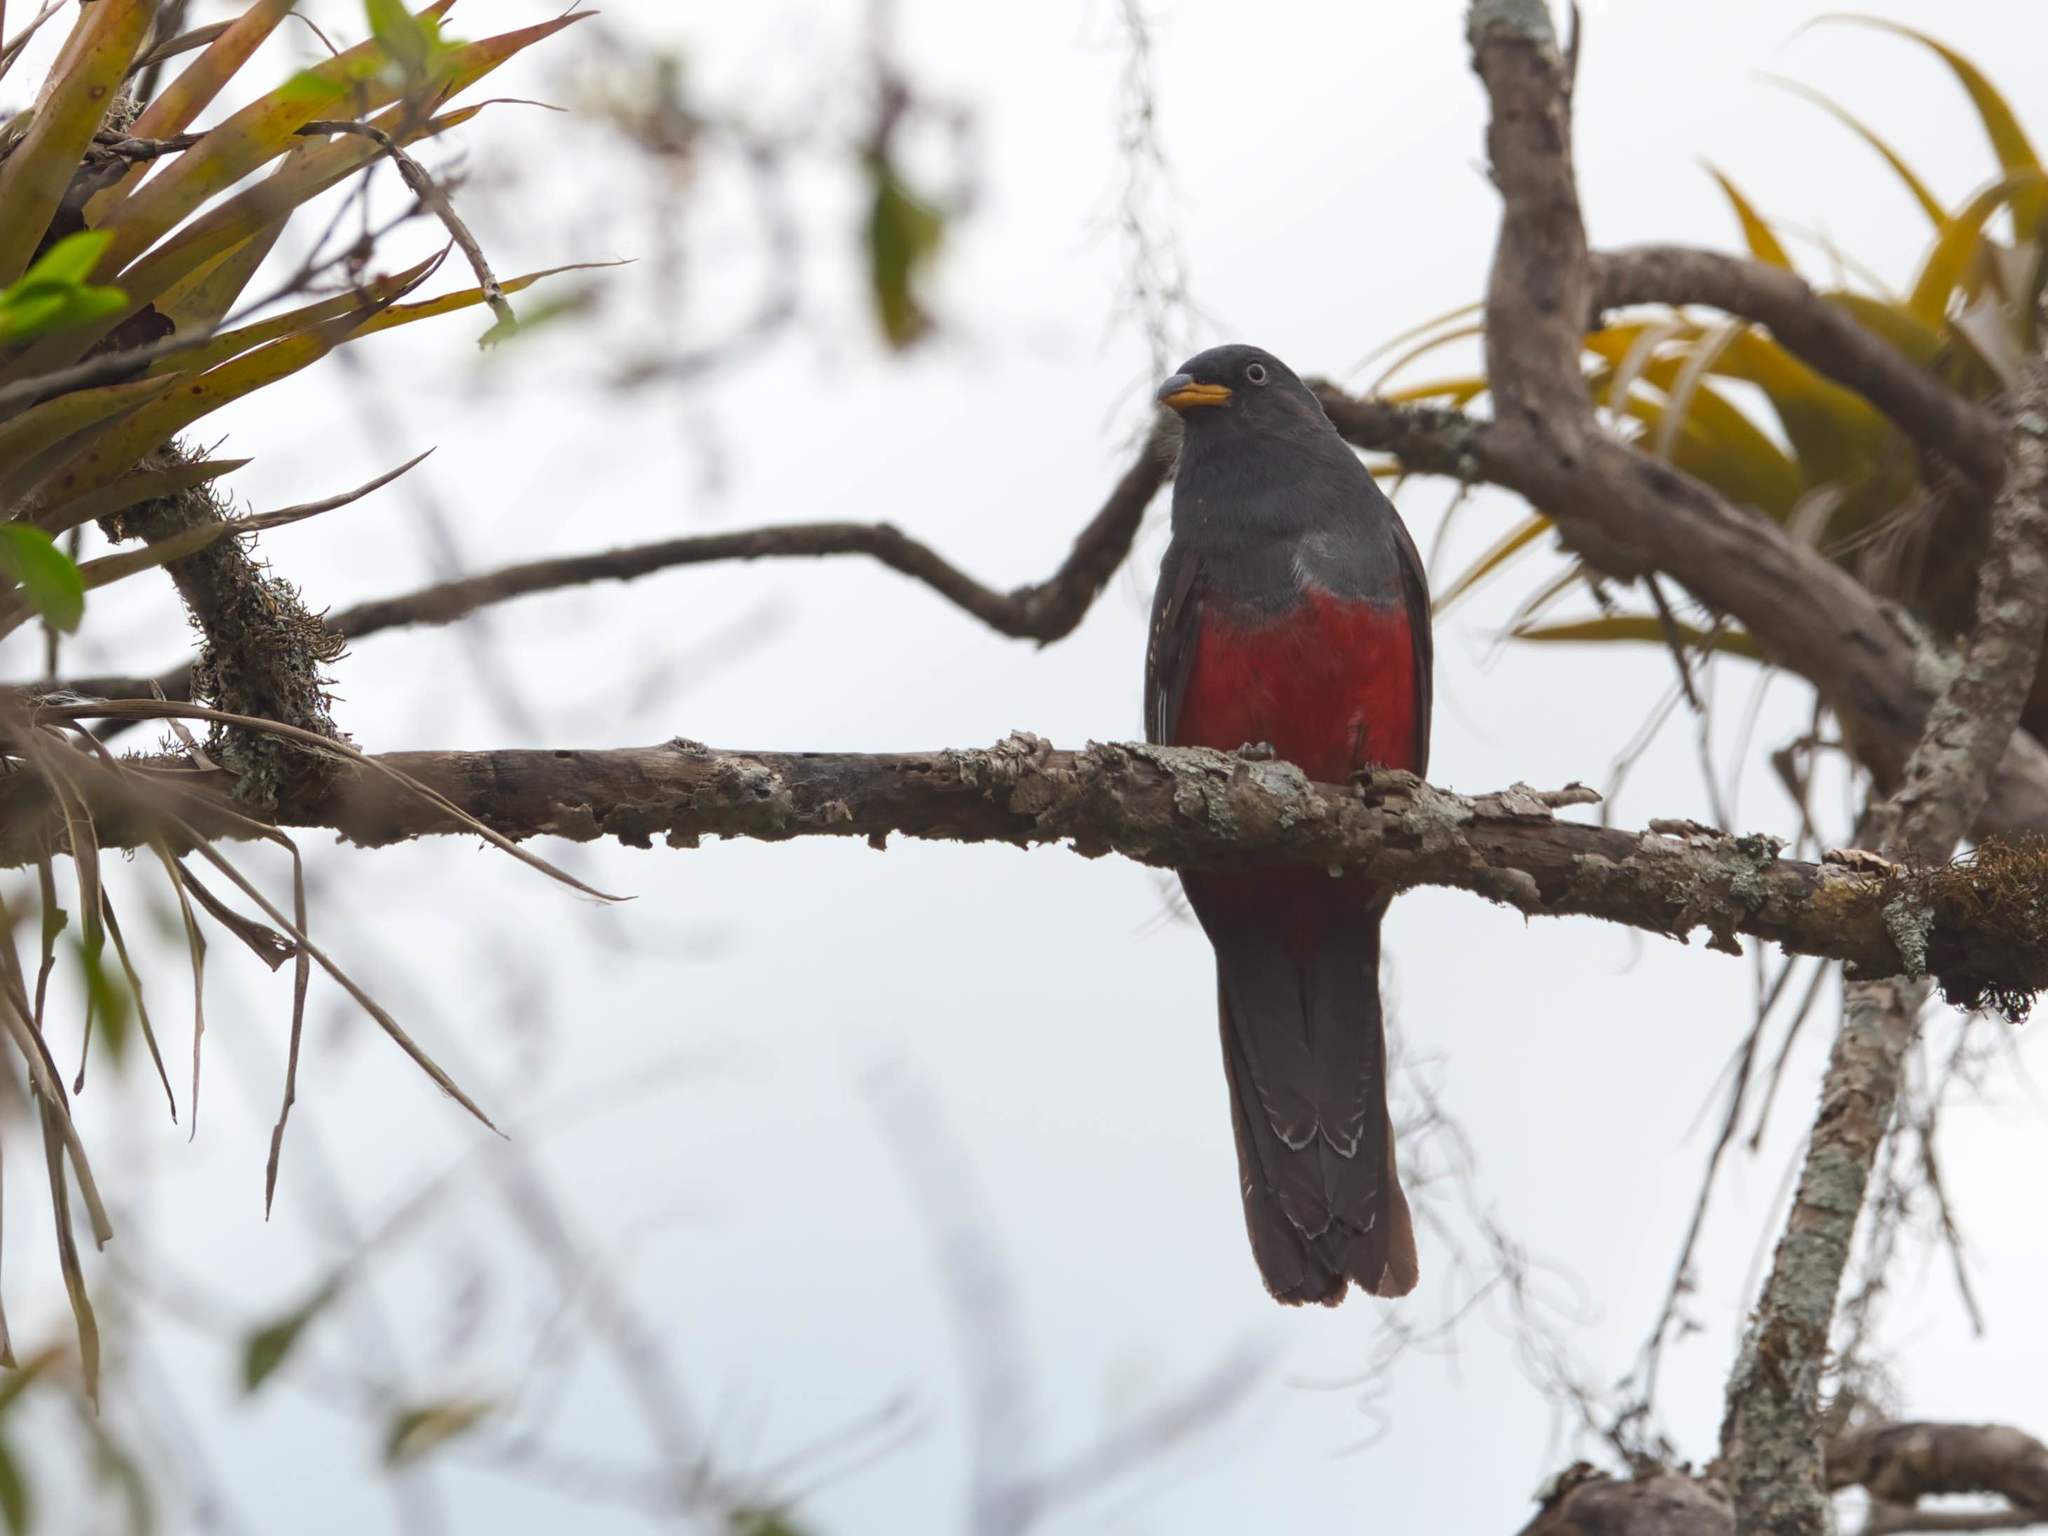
[1717, 443]
[1510, 544]
[1402, 338]
[44, 426]
[347, 84]
[1895, 323]
[247, 212]
[448, 303]
[414, 1432]
[109, 1003]
[413, 42]
[1422, 349]
[1929, 203]
[180, 102]
[114, 451]
[268, 1347]
[376, 293]
[199, 302]
[1456, 392]
[1835, 433]
[48, 578]
[903, 236]
[1958, 243]
[82, 81]
[1639, 629]
[15, 1507]
[1763, 244]
[2001, 124]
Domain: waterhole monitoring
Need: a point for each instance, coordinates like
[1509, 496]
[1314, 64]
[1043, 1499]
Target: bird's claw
[1256, 752]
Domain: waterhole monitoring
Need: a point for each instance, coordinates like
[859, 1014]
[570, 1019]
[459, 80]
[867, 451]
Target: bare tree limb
[1896, 1464]
[1823, 335]
[1044, 611]
[435, 201]
[1901, 1464]
[1164, 806]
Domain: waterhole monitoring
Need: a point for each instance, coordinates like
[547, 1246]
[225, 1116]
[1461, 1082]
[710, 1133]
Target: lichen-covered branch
[1771, 1434]
[1165, 806]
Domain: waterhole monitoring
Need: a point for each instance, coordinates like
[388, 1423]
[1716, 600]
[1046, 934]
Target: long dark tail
[1305, 1049]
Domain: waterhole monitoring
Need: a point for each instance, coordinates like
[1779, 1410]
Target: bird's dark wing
[1170, 652]
[1415, 598]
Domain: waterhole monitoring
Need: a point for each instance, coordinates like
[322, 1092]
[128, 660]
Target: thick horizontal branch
[1171, 807]
[1821, 334]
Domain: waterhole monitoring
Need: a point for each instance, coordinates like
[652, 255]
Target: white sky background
[1327, 193]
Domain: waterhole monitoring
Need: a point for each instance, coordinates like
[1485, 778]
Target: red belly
[1331, 686]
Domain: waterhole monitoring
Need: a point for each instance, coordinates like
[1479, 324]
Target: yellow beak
[1182, 393]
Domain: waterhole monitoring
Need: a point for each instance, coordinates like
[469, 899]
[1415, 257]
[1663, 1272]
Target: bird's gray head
[1235, 390]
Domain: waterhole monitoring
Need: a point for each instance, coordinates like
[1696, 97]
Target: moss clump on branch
[1996, 897]
[261, 649]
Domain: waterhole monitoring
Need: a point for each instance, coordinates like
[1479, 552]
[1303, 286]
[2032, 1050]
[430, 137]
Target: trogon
[1292, 611]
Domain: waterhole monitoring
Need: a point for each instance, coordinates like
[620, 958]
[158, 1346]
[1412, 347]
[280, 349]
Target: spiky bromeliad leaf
[24, 439]
[1638, 628]
[115, 450]
[1509, 545]
[1756, 232]
[1947, 263]
[349, 84]
[375, 294]
[2009, 140]
[1930, 205]
[138, 223]
[35, 177]
[192, 90]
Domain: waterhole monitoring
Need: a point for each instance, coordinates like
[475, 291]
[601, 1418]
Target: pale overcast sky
[702, 1075]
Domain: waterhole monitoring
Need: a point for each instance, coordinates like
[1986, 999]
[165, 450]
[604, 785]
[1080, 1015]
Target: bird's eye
[1255, 372]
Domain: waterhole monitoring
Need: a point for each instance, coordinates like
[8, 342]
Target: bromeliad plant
[1818, 459]
[132, 243]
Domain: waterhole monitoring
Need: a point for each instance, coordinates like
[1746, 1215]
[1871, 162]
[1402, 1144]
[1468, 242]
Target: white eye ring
[1256, 372]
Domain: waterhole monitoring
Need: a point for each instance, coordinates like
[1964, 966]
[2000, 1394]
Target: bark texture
[1173, 807]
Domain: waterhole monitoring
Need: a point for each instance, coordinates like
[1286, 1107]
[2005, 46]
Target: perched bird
[1292, 612]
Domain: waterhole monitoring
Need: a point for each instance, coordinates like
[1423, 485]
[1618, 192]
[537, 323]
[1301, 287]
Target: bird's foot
[1376, 781]
[1257, 752]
